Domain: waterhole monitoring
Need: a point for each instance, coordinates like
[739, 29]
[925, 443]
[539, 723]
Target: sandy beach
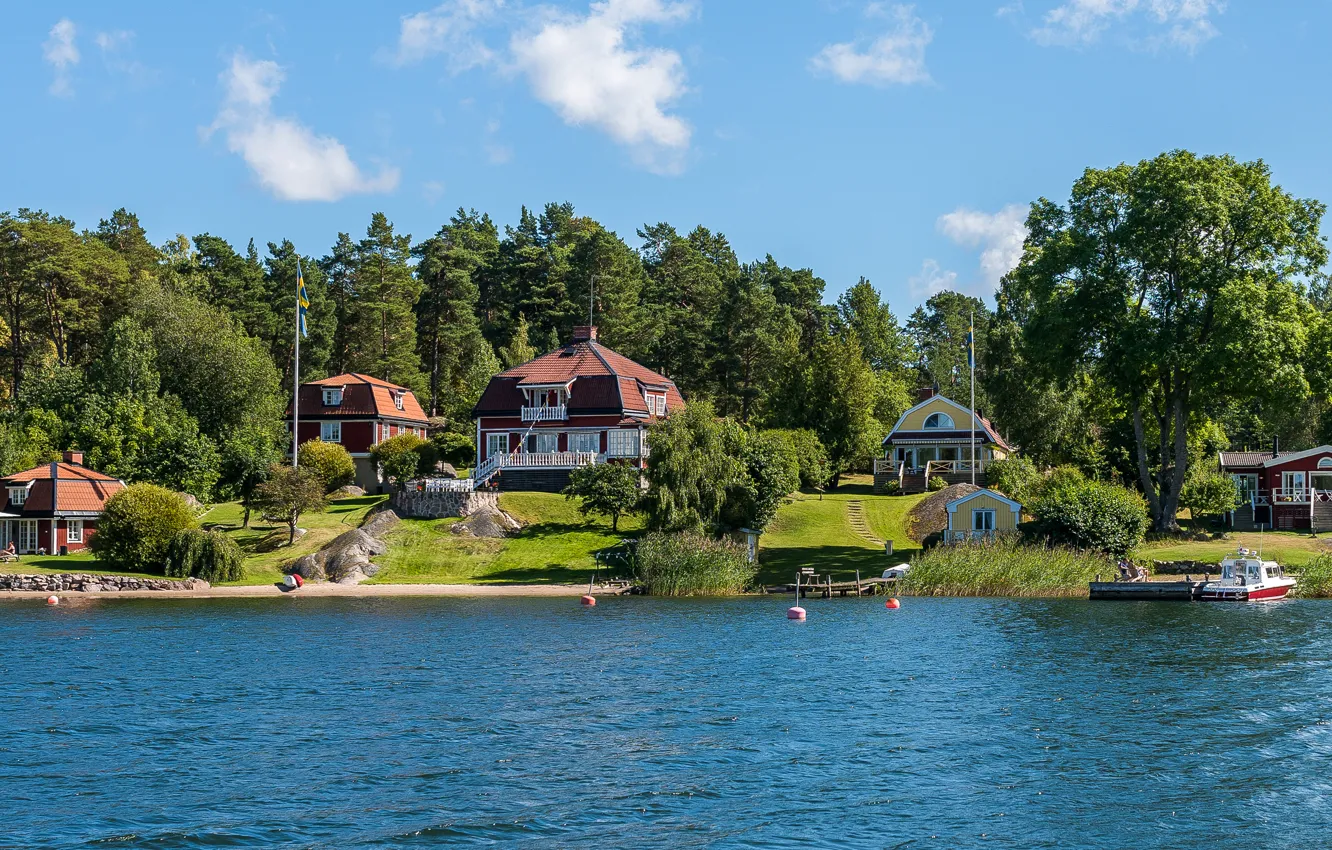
[327, 589]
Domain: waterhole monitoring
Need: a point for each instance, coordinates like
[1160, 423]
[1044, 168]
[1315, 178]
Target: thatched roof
[930, 515]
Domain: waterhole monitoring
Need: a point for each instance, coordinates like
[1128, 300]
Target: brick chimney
[585, 333]
[925, 393]
[74, 456]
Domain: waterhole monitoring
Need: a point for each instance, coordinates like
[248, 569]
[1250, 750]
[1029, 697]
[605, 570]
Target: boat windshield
[1255, 570]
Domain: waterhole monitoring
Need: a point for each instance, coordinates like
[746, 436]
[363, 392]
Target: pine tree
[381, 328]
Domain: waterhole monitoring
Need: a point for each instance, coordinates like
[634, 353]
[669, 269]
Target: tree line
[172, 363]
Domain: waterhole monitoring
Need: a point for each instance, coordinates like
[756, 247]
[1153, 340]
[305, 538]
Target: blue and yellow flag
[302, 298]
[971, 347]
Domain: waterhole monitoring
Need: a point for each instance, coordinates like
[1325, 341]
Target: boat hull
[1244, 594]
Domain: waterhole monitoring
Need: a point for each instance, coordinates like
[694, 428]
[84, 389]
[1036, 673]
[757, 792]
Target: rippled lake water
[337, 723]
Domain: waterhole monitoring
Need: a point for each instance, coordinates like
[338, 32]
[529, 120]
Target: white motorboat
[1246, 577]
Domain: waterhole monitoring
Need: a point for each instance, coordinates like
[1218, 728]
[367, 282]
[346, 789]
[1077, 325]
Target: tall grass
[1004, 568]
[690, 564]
[1314, 579]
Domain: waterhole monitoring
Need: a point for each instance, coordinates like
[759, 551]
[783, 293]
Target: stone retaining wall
[95, 584]
[438, 504]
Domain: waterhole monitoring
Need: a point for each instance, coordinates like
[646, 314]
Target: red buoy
[53, 600]
[795, 612]
[589, 600]
[892, 604]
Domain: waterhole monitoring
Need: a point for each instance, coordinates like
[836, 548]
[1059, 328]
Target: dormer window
[656, 404]
[333, 396]
[18, 495]
[938, 420]
[397, 399]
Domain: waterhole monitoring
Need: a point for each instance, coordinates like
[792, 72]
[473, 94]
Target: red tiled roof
[362, 396]
[605, 380]
[77, 490]
[1231, 460]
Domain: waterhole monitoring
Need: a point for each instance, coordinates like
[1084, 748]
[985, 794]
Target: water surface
[342, 723]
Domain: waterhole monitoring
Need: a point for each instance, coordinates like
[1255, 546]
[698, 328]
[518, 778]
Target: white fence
[545, 414]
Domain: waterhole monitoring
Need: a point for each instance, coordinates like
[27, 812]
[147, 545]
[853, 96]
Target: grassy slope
[264, 544]
[1290, 548]
[815, 532]
[556, 545]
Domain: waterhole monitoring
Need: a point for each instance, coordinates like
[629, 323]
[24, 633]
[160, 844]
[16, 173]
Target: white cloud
[450, 29]
[591, 72]
[999, 236]
[1179, 23]
[62, 54]
[931, 281]
[287, 157]
[110, 42]
[897, 56]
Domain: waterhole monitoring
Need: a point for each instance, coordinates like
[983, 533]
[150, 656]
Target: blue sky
[892, 141]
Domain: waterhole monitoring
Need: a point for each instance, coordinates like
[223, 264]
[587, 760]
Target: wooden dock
[1148, 591]
[827, 588]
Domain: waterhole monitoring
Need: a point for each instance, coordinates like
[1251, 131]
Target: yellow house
[982, 515]
[934, 438]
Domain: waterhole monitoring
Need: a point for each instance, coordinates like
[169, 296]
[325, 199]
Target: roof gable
[993, 494]
[1287, 458]
[961, 423]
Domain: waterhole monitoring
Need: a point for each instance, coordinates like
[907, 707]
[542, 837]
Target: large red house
[1282, 490]
[577, 405]
[358, 411]
[53, 508]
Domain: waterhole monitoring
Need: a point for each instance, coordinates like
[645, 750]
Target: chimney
[1276, 447]
[585, 333]
[925, 393]
[74, 457]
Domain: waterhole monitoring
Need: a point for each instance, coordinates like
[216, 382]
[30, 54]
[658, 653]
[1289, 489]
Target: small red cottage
[1282, 490]
[54, 507]
[358, 411]
[577, 405]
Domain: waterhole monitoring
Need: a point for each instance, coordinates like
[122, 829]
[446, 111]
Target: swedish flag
[302, 298]
[971, 347]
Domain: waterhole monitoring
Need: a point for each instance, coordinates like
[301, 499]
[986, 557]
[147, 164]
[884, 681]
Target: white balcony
[557, 413]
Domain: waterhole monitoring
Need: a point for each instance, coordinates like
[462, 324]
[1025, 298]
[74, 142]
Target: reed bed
[1314, 579]
[691, 564]
[1005, 568]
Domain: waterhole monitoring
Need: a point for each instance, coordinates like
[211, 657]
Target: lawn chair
[8, 557]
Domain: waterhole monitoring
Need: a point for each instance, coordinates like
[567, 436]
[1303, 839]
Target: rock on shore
[347, 558]
[63, 582]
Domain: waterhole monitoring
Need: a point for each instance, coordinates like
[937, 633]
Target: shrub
[936, 483]
[692, 564]
[209, 555]
[1015, 477]
[1004, 567]
[452, 447]
[771, 474]
[1090, 515]
[1315, 578]
[608, 489]
[329, 461]
[1208, 492]
[811, 457]
[399, 457]
[892, 488]
[1061, 480]
[137, 525]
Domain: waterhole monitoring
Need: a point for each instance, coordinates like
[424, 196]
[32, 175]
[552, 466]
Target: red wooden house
[577, 405]
[1282, 490]
[53, 508]
[358, 411]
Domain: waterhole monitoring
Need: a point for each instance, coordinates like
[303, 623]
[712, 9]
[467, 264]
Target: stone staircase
[855, 514]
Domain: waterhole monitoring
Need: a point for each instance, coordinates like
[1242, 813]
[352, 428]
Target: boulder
[345, 560]
[487, 521]
[191, 502]
[380, 522]
[351, 491]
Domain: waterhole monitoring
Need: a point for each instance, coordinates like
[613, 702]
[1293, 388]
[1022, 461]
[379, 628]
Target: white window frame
[585, 441]
[497, 444]
[977, 524]
[397, 400]
[18, 495]
[73, 531]
[330, 432]
[622, 442]
[939, 419]
[546, 442]
[1288, 480]
[332, 397]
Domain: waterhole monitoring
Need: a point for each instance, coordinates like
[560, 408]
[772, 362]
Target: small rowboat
[1246, 577]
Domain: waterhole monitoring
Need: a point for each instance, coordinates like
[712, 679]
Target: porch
[1284, 508]
[916, 479]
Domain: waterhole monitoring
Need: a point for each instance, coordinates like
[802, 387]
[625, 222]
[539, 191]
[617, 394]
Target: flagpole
[971, 358]
[296, 374]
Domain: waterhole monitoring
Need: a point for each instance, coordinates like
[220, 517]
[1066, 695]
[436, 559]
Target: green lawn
[265, 544]
[1289, 548]
[81, 562]
[557, 545]
[814, 531]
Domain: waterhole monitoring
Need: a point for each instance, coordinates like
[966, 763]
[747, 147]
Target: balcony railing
[555, 413]
[951, 467]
